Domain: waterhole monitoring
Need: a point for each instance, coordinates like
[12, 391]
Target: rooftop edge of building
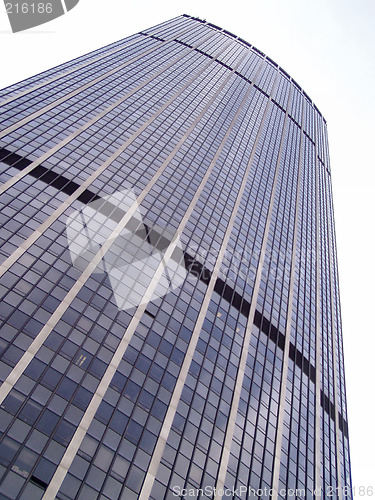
[285, 73]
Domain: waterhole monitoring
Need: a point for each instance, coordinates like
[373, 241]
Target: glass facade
[229, 386]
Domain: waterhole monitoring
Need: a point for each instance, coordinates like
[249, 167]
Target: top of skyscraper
[271, 61]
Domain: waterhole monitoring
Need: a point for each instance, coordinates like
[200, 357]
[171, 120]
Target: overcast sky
[328, 48]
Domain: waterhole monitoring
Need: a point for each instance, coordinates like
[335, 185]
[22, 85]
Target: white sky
[328, 48]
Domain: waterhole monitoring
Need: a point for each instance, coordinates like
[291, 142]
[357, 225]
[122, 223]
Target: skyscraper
[206, 361]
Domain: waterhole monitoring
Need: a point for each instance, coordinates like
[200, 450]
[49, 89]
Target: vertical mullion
[246, 342]
[281, 414]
